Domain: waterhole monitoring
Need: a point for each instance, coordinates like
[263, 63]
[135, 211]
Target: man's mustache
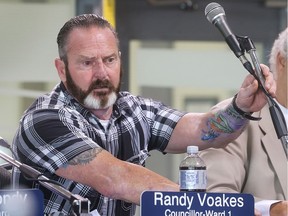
[100, 84]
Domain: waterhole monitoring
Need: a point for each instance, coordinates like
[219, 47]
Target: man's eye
[110, 59]
[87, 63]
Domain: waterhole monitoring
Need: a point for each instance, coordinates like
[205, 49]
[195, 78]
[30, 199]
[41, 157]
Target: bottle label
[193, 180]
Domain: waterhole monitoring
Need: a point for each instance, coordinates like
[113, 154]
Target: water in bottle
[192, 172]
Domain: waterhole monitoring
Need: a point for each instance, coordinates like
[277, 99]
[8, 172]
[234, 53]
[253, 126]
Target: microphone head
[213, 11]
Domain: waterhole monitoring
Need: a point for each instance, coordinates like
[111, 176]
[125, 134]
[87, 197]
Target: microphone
[216, 15]
[80, 205]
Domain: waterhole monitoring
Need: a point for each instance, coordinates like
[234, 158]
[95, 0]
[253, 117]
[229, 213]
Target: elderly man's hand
[279, 209]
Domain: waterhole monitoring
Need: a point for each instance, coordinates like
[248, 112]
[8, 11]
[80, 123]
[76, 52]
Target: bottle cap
[192, 149]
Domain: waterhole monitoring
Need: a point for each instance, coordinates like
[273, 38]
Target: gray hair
[81, 21]
[279, 47]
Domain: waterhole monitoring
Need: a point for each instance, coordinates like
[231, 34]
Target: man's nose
[99, 70]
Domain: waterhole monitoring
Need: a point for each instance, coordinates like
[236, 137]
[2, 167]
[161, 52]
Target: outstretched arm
[112, 177]
[219, 127]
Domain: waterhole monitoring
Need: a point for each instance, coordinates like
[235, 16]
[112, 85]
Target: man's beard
[87, 98]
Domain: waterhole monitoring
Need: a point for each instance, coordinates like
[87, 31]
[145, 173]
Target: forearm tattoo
[224, 121]
[85, 157]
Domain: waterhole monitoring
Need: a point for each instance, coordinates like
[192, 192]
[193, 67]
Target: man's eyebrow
[94, 58]
[87, 57]
[111, 55]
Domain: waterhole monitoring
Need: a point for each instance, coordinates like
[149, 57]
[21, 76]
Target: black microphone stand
[246, 44]
[80, 205]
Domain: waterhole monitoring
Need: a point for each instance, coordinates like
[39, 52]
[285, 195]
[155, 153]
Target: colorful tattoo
[85, 157]
[225, 121]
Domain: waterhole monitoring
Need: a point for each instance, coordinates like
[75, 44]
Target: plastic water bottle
[192, 172]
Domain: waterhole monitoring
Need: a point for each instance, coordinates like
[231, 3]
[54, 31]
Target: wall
[138, 19]
[28, 49]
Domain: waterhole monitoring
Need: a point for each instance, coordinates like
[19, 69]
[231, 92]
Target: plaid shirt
[56, 128]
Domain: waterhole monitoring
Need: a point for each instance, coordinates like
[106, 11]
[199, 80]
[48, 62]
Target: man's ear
[60, 66]
[281, 60]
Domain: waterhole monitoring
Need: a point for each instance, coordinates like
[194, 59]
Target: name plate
[157, 203]
[24, 202]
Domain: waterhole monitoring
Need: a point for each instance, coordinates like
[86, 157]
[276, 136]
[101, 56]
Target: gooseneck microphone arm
[80, 205]
[239, 45]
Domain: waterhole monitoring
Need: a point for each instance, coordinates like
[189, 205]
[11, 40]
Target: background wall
[141, 20]
[27, 52]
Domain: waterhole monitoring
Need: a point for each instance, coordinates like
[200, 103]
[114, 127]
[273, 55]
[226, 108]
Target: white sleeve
[264, 206]
[94, 213]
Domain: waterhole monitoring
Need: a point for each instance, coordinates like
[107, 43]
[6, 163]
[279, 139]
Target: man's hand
[250, 98]
[279, 209]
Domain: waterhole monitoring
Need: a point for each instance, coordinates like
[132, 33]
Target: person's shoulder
[131, 103]
[123, 94]
[126, 97]
[47, 103]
